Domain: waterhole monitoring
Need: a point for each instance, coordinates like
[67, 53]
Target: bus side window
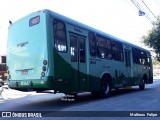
[104, 48]
[92, 44]
[144, 58]
[60, 41]
[117, 51]
[136, 56]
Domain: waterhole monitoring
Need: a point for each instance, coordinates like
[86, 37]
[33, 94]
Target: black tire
[142, 87]
[105, 87]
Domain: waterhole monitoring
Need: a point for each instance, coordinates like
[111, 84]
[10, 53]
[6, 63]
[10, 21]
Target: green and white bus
[48, 51]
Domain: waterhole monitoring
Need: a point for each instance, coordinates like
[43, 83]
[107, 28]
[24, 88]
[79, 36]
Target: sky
[117, 17]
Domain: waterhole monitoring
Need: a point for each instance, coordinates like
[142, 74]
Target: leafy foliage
[153, 38]
[155, 62]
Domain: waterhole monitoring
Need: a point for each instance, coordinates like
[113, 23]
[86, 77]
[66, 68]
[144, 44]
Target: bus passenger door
[128, 64]
[78, 62]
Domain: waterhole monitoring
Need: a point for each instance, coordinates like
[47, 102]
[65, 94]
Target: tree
[155, 62]
[153, 38]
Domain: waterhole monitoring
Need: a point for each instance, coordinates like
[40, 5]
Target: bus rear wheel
[142, 87]
[105, 87]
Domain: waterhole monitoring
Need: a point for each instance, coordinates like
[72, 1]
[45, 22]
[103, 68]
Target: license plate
[23, 72]
[24, 83]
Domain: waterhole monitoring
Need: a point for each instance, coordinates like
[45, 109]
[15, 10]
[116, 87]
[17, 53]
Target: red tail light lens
[45, 62]
[42, 74]
[44, 68]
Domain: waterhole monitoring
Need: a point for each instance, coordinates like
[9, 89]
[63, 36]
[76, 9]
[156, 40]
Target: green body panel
[94, 83]
[67, 80]
[62, 71]
[62, 68]
[67, 76]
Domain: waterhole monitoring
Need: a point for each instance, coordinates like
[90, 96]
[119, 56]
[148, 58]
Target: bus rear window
[34, 20]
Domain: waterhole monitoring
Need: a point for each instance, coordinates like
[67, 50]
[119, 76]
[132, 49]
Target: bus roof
[83, 26]
[86, 27]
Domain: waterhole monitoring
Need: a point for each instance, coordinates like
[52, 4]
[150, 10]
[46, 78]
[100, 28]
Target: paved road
[129, 99]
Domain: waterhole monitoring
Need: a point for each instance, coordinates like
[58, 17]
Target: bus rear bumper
[30, 84]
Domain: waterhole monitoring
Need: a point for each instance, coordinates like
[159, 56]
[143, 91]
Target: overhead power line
[149, 9]
[142, 11]
[137, 4]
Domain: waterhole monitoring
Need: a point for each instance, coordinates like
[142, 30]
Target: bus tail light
[44, 68]
[42, 74]
[45, 62]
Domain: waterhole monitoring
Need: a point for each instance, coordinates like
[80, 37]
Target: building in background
[3, 68]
